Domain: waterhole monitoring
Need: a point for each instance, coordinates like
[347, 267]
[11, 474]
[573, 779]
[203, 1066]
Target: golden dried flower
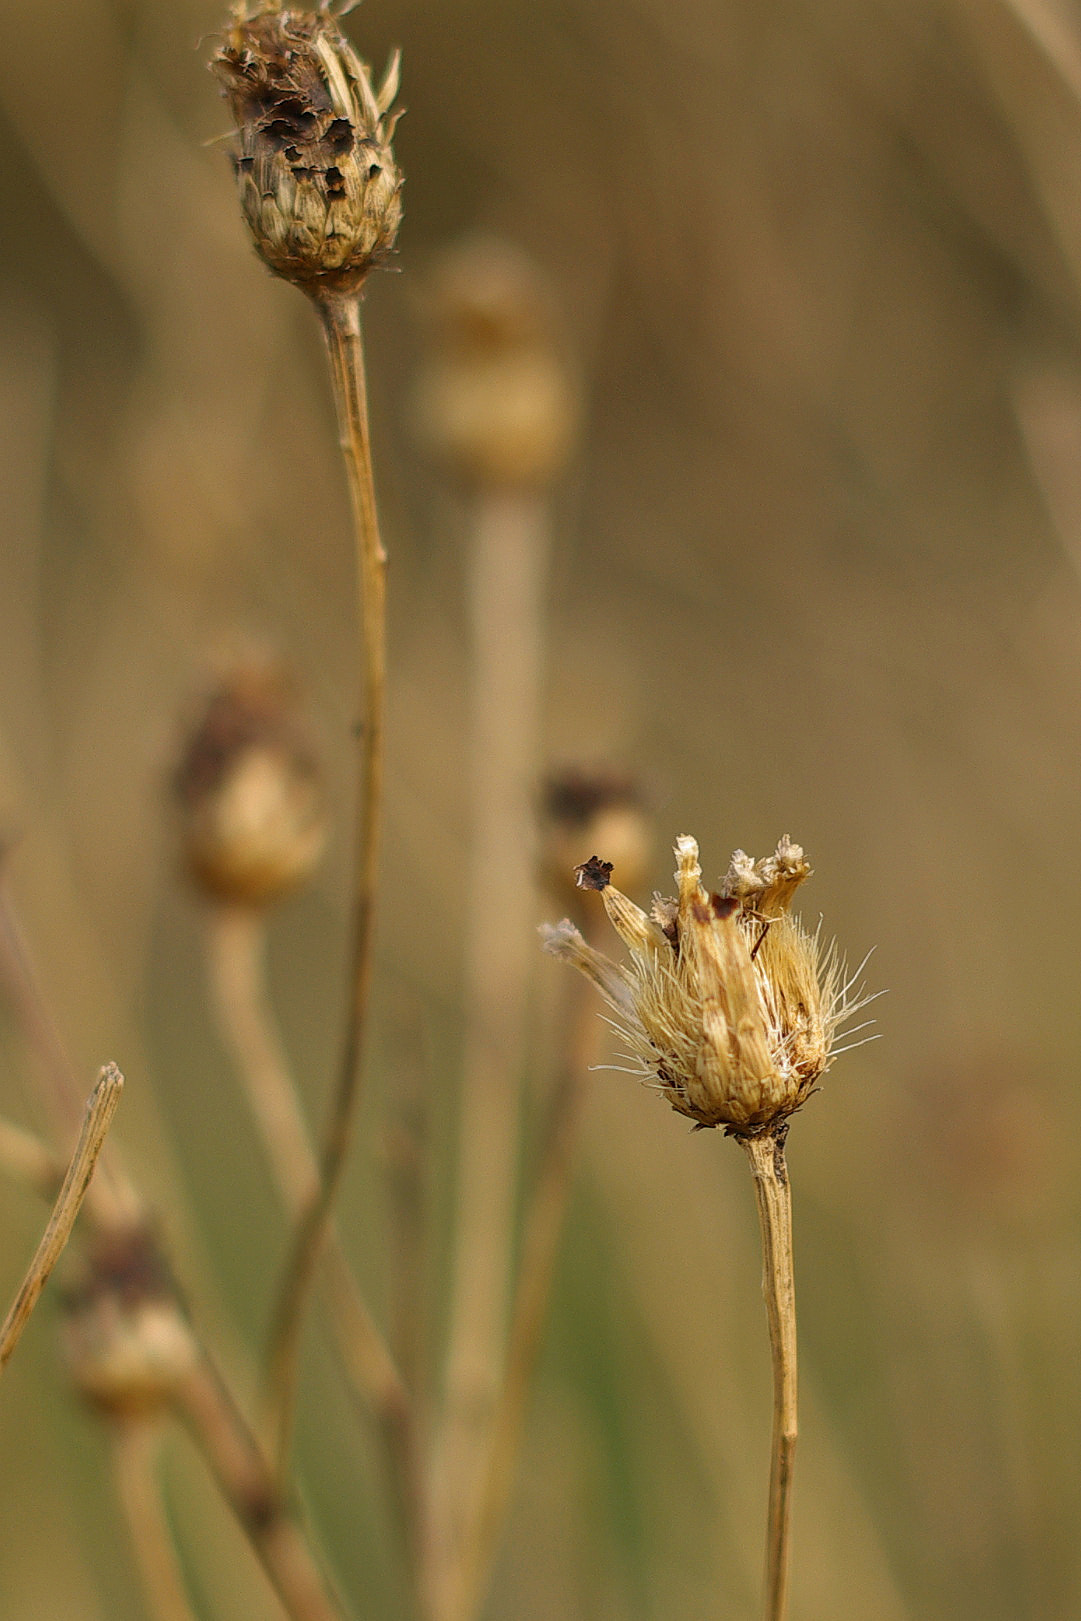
[250, 793]
[318, 184]
[728, 1005]
[495, 401]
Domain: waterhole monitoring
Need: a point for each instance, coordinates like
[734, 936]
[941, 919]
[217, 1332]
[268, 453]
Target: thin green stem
[341, 326]
[774, 1200]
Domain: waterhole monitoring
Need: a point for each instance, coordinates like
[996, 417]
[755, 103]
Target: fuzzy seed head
[319, 187]
[727, 1004]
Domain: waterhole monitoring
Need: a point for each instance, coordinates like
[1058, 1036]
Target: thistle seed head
[250, 792]
[318, 184]
[727, 1004]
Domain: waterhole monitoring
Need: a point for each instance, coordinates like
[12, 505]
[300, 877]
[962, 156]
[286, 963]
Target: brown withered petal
[319, 187]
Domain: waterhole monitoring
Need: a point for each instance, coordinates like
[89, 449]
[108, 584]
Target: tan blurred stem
[100, 1109]
[341, 327]
[540, 1250]
[247, 1482]
[509, 551]
[135, 1447]
[774, 1200]
[236, 945]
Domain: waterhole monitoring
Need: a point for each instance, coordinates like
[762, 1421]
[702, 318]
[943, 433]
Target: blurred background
[816, 569]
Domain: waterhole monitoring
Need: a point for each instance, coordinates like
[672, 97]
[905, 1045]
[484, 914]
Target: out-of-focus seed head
[593, 810]
[495, 401]
[319, 187]
[250, 793]
[127, 1343]
[728, 1006]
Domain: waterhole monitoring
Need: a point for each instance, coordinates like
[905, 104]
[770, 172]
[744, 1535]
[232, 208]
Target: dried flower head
[250, 792]
[127, 1343]
[495, 401]
[318, 184]
[728, 1005]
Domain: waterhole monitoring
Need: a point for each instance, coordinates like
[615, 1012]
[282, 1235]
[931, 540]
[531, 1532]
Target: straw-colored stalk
[340, 314]
[774, 1200]
[100, 1109]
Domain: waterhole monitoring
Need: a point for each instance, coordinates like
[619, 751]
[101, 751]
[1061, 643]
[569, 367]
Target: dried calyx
[319, 187]
[728, 1005]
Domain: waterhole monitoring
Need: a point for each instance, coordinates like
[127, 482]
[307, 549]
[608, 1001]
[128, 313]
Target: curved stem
[341, 327]
[774, 1200]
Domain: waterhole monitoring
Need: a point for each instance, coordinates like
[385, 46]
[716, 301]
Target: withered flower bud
[495, 401]
[127, 1343]
[584, 811]
[728, 1006]
[250, 792]
[318, 184]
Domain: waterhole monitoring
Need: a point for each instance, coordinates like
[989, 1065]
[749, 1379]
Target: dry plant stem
[507, 570]
[540, 1249]
[135, 1445]
[100, 1110]
[247, 1483]
[340, 315]
[774, 1200]
[236, 943]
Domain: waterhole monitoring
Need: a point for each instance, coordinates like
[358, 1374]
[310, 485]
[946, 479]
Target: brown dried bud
[318, 184]
[587, 811]
[728, 1006]
[495, 402]
[127, 1343]
[250, 792]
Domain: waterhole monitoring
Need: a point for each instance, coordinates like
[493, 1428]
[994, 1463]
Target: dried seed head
[319, 187]
[727, 1005]
[127, 1344]
[250, 794]
[584, 811]
[495, 402]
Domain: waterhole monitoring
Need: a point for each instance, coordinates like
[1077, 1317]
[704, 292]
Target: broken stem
[100, 1110]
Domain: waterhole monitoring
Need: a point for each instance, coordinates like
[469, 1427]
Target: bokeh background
[817, 569]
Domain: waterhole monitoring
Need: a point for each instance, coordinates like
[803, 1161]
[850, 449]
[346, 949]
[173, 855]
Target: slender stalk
[340, 315]
[774, 1200]
[100, 1110]
[540, 1250]
[507, 568]
[246, 1481]
[236, 943]
[134, 1456]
